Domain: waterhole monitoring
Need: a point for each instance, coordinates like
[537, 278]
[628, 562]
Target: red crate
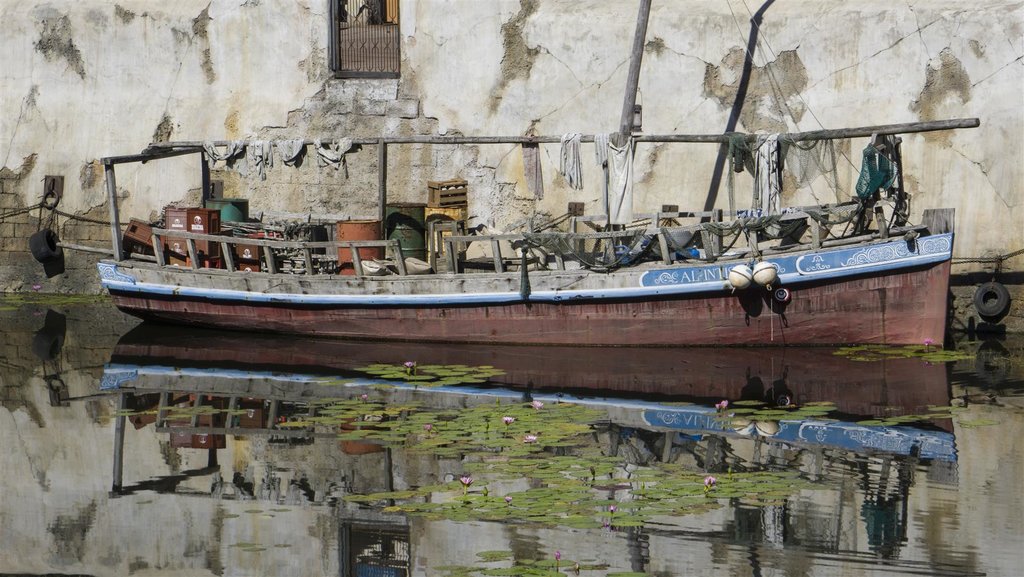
[138, 237]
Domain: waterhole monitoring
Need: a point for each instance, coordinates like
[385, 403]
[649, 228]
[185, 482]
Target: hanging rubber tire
[43, 245]
[782, 295]
[991, 299]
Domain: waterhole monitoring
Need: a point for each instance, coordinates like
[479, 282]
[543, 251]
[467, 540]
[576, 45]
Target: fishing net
[876, 172]
[807, 161]
[594, 252]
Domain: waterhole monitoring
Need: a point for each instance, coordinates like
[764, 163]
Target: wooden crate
[447, 193]
[138, 237]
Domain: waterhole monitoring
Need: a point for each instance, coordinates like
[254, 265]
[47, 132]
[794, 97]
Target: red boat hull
[906, 307]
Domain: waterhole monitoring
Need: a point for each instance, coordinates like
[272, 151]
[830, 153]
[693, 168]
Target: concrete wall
[90, 79]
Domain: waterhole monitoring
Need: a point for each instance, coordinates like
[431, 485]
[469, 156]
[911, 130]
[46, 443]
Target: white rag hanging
[570, 164]
[231, 150]
[332, 153]
[260, 156]
[766, 175]
[532, 170]
[290, 150]
[620, 183]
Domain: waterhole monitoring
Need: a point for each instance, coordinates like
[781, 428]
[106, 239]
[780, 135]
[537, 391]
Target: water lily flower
[36, 287]
[558, 555]
[364, 396]
[410, 367]
[928, 343]
[508, 499]
[508, 420]
[530, 439]
[428, 427]
[466, 480]
[537, 405]
[709, 483]
[721, 406]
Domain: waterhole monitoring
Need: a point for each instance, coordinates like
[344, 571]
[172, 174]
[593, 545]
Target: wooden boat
[887, 282]
[883, 287]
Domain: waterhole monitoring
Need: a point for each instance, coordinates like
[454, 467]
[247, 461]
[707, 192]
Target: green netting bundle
[876, 171]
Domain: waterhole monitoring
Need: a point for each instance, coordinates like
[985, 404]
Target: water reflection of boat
[263, 379]
[784, 375]
[259, 381]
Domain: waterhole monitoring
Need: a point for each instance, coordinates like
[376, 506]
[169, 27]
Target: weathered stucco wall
[91, 79]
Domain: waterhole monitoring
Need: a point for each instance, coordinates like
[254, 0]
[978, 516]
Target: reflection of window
[364, 39]
[377, 550]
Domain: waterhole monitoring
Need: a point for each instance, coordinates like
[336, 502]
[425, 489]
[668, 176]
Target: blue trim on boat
[793, 270]
[689, 419]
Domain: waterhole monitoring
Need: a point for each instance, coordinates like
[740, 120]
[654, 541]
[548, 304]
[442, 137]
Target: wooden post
[115, 222]
[382, 183]
[206, 177]
[633, 78]
[119, 422]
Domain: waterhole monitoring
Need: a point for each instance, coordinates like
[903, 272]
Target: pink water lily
[530, 439]
[36, 287]
[364, 396]
[508, 420]
[710, 481]
[508, 499]
[428, 427]
[723, 405]
[928, 343]
[466, 480]
[537, 405]
[612, 508]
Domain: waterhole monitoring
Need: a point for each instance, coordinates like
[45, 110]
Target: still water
[139, 450]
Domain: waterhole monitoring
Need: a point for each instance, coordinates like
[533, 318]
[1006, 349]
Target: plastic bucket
[231, 209]
[404, 222]
[357, 230]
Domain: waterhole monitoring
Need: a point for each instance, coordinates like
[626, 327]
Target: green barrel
[404, 222]
[231, 209]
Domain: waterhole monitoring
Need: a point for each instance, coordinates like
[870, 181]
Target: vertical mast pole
[115, 222]
[633, 79]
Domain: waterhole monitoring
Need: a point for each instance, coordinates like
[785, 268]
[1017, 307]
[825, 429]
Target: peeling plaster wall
[91, 79]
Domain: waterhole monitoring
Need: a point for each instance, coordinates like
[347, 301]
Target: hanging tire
[43, 245]
[991, 299]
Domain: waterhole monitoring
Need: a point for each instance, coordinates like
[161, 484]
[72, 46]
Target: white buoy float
[766, 273]
[740, 276]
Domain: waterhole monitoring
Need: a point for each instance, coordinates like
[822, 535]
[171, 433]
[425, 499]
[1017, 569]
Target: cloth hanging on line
[291, 150]
[259, 155]
[532, 171]
[332, 153]
[230, 151]
[570, 163]
[767, 187]
[620, 183]
[601, 157]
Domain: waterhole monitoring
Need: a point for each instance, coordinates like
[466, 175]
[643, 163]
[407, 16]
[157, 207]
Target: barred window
[364, 38]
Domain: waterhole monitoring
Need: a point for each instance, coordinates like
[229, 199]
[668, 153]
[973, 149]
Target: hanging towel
[231, 150]
[291, 150]
[259, 156]
[766, 175]
[332, 153]
[570, 165]
[620, 183]
[532, 171]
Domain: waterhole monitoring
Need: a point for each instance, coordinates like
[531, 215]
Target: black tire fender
[991, 299]
[43, 245]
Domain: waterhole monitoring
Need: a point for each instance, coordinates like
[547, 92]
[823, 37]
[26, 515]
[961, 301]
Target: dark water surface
[139, 450]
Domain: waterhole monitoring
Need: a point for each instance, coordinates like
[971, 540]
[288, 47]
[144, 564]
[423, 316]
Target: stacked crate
[197, 220]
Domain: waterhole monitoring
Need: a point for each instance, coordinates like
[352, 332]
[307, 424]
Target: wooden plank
[115, 222]
[229, 256]
[382, 183]
[499, 265]
[357, 262]
[192, 253]
[161, 410]
[633, 76]
[307, 257]
[666, 256]
[396, 250]
[158, 249]
[268, 254]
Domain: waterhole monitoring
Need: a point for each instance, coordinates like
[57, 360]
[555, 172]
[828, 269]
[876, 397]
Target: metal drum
[357, 230]
[404, 222]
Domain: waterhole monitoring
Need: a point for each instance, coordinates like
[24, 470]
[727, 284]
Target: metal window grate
[365, 38]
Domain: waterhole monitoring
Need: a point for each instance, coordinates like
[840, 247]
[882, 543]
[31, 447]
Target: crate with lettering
[197, 220]
[138, 237]
[447, 193]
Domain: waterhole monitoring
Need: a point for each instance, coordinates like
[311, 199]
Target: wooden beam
[633, 77]
[115, 220]
[382, 183]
